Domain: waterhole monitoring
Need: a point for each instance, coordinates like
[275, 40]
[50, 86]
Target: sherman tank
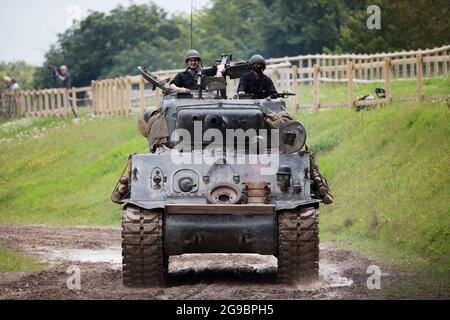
[222, 175]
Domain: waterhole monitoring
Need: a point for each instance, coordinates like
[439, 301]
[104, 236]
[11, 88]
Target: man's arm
[242, 88]
[177, 85]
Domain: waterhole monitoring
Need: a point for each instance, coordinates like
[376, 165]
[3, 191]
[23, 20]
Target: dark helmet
[193, 54]
[257, 58]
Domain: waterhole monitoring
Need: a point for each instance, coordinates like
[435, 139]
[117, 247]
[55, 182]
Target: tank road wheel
[144, 263]
[298, 245]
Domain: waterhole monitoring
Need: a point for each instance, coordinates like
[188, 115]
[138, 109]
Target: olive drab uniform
[154, 129]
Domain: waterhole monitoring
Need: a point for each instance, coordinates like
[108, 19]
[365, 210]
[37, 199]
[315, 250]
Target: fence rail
[120, 96]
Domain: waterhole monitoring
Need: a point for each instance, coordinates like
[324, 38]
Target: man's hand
[183, 90]
[220, 69]
[241, 93]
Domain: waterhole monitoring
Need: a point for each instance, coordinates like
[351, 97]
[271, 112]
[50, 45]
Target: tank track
[298, 245]
[144, 263]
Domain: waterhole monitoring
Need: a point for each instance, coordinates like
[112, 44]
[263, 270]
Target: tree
[405, 25]
[300, 27]
[92, 50]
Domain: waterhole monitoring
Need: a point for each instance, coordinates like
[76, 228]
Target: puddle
[200, 262]
[112, 255]
[329, 277]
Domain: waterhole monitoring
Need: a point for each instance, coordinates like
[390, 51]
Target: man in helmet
[256, 82]
[187, 80]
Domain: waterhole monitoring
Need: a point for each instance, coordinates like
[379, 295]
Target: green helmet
[193, 54]
[257, 58]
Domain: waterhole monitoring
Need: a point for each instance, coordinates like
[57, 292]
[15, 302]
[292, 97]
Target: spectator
[64, 76]
[14, 85]
[10, 83]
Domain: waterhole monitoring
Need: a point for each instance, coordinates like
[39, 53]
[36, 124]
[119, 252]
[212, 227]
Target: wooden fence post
[387, 79]
[46, 103]
[129, 90]
[21, 111]
[105, 96]
[316, 87]
[58, 102]
[428, 66]
[142, 94]
[52, 101]
[94, 98]
[157, 98]
[111, 97]
[295, 88]
[445, 63]
[41, 104]
[350, 85]
[436, 65]
[65, 101]
[33, 103]
[309, 68]
[74, 100]
[420, 94]
[116, 97]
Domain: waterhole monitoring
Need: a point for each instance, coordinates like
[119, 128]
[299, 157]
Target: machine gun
[154, 80]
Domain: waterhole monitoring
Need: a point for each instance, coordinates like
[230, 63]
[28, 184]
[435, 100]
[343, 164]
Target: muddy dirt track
[96, 251]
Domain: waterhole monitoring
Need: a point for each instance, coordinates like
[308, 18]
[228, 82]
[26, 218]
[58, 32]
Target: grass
[58, 173]
[389, 173]
[16, 262]
[337, 92]
[388, 170]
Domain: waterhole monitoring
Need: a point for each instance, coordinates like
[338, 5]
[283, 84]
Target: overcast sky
[29, 27]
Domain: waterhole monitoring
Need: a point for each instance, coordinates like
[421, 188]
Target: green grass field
[16, 262]
[388, 170]
[58, 173]
[337, 92]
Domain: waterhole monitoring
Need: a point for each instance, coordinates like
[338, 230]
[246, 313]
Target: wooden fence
[48, 102]
[403, 63]
[122, 96]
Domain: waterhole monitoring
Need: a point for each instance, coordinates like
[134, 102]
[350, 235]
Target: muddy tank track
[298, 245]
[144, 263]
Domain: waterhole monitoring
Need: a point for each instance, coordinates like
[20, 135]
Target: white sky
[29, 27]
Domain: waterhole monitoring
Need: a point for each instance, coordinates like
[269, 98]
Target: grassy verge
[58, 173]
[15, 262]
[388, 170]
[337, 92]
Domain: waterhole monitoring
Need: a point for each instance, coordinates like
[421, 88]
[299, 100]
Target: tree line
[112, 44]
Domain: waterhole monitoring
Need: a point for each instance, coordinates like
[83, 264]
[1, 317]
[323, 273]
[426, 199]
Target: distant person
[10, 83]
[6, 81]
[187, 80]
[64, 77]
[14, 85]
[255, 82]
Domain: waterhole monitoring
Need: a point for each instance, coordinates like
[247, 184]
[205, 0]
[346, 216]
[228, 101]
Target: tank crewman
[256, 82]
[186, 80]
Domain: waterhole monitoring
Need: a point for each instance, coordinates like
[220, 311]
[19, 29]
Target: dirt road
[97, 253]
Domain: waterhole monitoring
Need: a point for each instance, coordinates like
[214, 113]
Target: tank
[224, 180]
